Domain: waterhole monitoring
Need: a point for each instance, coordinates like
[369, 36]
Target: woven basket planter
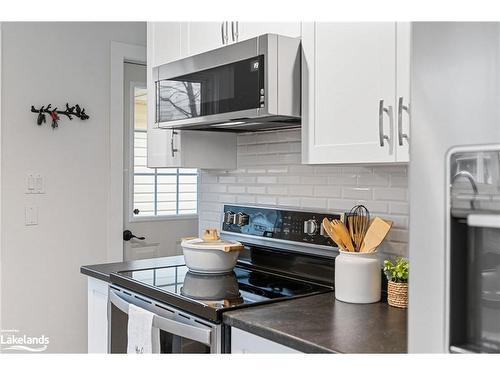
[397, 294]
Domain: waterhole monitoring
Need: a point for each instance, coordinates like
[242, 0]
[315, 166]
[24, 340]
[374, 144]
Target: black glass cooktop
[209, 295]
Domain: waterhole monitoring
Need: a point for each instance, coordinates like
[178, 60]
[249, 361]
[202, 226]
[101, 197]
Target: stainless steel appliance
[286, 256]
[249, 85]
[473, 250]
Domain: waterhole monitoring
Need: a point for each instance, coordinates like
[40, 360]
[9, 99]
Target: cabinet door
[348, 69]
[247, 30]
[205, 36]
[97, 316]
[164, 44]
[403, 120]
[243, 342]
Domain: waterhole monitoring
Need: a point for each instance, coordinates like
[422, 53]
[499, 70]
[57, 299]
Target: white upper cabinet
[205, 36]
[247, 30]
[349, 108]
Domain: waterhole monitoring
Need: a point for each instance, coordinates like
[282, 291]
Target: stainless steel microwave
[246, 86]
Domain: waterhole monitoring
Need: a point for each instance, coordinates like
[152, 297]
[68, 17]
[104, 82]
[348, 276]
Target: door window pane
[158, 191]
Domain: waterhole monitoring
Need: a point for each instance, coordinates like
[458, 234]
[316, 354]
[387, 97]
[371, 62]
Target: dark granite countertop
[102, 271]
[321, 324]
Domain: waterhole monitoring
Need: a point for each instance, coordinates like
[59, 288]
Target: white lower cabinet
[97, 316]
[243, 342]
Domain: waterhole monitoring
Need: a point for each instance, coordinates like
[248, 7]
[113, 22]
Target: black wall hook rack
[75, 111]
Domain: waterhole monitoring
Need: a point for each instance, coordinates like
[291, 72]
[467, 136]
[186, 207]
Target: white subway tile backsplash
[236, 189]
[357, 193]
[302, 190]
[289, 201]
[267, 179]
[391, 194]
[266, 199]
[313, 203]
[277, 190]
[270, 173]
[227, 179]
[327, 191]
[347, 180]
[256, 189]
[377, 179]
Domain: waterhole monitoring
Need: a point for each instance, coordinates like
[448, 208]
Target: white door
[205, 36]
[348, 92]
[247, 30]
[159, 206]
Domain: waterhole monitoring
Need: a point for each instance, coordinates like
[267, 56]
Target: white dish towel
[143, 338]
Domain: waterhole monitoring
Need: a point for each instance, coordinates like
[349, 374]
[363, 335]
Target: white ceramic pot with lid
[211, 254]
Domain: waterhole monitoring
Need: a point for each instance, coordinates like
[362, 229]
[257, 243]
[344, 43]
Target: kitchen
[248, 167]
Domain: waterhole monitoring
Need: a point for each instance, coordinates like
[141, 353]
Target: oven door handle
[200, 335]
[484, 220]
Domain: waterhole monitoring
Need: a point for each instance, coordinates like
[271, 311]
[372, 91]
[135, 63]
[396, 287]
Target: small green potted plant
[397, 287]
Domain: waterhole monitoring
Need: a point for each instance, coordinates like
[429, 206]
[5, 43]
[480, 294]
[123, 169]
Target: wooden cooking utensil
[358, 221]
[327, 225]
[211, 234]
[375, 234]
[341, 231]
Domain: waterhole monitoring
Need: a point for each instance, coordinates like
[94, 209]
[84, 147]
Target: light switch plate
[31, 215]
[39, 184]
[30, 184]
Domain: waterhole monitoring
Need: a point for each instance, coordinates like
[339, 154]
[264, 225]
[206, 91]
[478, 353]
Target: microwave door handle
[201, 335]
[484, 221]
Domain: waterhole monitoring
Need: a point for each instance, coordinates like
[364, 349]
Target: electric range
[287, 255]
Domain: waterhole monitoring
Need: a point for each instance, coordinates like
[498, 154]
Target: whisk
[358, 220]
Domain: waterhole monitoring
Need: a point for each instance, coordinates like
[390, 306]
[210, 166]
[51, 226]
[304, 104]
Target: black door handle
[128, 235]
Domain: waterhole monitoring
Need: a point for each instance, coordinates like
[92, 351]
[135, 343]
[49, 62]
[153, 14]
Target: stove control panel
[283, 224]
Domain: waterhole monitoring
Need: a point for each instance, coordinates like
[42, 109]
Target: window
[158, 191]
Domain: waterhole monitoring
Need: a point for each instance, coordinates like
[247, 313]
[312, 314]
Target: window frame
[130, 206]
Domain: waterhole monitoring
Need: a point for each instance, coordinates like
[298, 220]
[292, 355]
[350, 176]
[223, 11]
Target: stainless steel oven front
[473, 250]
[180, 332]
[250, 84]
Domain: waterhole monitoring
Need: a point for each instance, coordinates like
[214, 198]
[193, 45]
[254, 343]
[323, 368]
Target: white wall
[270, 173]
[455, 83]
[43, 291]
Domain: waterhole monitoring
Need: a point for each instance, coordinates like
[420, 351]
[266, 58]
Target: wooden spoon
[375, 234]
[327, 225]
[341, 231]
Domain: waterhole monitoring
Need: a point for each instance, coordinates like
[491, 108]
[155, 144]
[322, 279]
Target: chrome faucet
[469, 177]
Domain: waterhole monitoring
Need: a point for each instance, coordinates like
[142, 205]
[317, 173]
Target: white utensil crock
[357, 277]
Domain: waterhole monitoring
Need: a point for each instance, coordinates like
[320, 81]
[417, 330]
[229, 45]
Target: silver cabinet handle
[235, 30]
[224, 28]
[201, 335]
[381, 111]
[401, 107]
[172, 148]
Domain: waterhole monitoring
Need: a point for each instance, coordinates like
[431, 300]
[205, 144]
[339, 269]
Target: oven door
[179, 331]
[475, 284]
